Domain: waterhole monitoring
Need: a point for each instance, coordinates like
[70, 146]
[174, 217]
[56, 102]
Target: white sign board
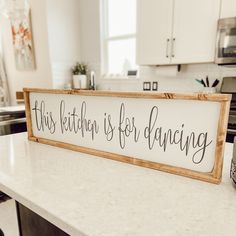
[171, 132]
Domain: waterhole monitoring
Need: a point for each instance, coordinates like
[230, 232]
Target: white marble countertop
[87, 195]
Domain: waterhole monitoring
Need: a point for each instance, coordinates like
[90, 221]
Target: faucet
[92, 85]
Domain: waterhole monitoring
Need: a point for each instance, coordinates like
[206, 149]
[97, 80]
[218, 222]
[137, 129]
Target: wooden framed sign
[182, 134]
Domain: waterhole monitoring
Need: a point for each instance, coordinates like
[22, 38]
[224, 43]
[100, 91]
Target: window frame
[105, 39]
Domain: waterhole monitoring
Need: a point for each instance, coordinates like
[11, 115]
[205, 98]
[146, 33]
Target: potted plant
[79, 71]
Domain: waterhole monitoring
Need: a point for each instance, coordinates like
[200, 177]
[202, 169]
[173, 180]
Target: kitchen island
[87, 195]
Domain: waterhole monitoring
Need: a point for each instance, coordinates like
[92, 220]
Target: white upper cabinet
[154, 26]
[194, 30]
[176, 31]
[228, 8]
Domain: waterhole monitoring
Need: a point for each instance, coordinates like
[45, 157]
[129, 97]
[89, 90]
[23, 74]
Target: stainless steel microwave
[226, 42]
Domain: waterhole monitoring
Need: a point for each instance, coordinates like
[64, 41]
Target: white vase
[80, 81]
[76, 81]
[83, 81]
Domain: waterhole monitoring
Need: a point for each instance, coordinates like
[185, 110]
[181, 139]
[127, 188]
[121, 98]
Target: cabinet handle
[167, 47]
[173, 48]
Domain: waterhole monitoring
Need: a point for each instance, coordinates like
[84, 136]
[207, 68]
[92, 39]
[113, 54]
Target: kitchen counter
[12, 109]
[87, 195]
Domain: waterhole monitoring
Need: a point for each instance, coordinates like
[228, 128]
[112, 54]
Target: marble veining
[92, 196]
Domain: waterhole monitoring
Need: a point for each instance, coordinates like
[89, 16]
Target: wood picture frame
[220, 101]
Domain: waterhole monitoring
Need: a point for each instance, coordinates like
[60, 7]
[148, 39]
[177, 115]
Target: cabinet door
[194, 30]
[31, 224]
[228, 8]
[154, 24]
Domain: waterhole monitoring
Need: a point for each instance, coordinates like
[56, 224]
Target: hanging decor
[23, 43]
[4, 89]
[14, 8]
[18, 12]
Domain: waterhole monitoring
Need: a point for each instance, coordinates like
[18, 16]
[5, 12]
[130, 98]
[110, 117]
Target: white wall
[90, 34]
[64, 39]
[168, 79]
[41, 77]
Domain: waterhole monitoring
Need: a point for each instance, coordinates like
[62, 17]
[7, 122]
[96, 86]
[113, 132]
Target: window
[119, 36]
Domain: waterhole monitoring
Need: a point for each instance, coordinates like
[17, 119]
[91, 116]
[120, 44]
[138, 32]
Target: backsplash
[168, 78]
[183, 81]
